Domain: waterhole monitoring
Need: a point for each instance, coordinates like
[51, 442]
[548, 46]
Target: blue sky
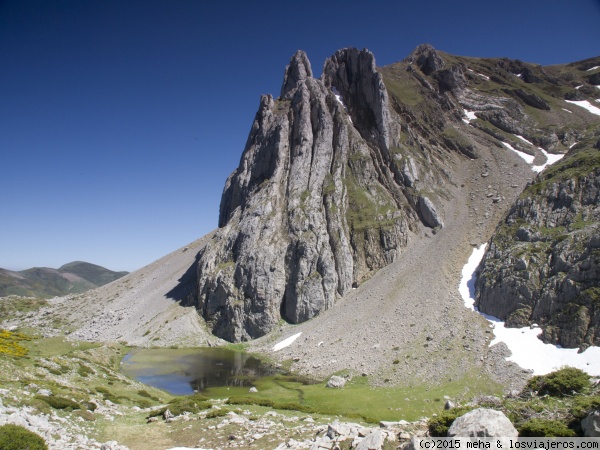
[120, 120]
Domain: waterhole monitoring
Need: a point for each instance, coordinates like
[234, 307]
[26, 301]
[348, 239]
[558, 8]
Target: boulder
[372, 441]
[591, 424]
[336, 382]
[483, 422]
[431, 218]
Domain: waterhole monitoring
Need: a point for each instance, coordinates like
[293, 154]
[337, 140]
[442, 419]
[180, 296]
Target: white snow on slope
[565, 109]
[470, 116]
[286, 342]
[550, 157]
[593, 68]
[339, 98]
[528, 158]
[586, 105]
[527, 350]
[480, 74]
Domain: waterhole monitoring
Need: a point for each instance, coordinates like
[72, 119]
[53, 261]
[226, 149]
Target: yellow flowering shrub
[9, 343]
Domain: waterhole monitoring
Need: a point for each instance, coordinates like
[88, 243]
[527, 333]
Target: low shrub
[59, 402]
[213, 414]
[191, 404]
[438, 426]
[84, 371]
[583, 405]
[294, 407]
[144, 393]
[545, 428]
[566, 381]
[14, 437]
[250, 401]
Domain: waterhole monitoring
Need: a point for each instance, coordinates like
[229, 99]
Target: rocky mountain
[357, 202]
[71, 278]
[340, 172]
[543, 262]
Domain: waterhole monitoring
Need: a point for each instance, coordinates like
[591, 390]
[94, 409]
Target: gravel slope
[411, 311]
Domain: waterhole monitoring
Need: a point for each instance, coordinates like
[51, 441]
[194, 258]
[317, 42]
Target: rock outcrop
[543, 263]
[314, 206]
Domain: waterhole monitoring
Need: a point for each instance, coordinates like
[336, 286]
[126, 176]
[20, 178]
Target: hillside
[71, 278]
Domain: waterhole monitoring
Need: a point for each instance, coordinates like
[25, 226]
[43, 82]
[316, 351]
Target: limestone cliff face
[314, 205]
[543, 264]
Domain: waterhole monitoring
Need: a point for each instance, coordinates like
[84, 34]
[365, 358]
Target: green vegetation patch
[190, 404]
[14, 437]
[545, 428]
[59, 402]
[566, 381]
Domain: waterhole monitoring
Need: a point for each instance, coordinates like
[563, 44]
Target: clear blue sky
[120, 120]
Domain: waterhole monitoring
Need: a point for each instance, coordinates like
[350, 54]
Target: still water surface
[182, 371]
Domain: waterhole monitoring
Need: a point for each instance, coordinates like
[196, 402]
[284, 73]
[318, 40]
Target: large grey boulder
[591, 424]
[336, 382]
[482, 422]
[431, 218]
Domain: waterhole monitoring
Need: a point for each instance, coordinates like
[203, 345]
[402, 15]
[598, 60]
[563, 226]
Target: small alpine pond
[183, 371]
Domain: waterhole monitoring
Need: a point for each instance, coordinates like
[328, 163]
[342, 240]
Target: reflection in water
[181, 372]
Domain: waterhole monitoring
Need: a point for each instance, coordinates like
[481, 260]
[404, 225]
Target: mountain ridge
[70, 278]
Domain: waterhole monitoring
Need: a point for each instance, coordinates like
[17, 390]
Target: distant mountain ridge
[71, 278]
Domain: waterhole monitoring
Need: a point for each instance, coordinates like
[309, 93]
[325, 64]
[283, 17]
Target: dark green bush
[250, 401]
[144, 404]
[191, 403]
[13, 437]
[438, 426]
[291, 406]
[84, 370]
[144, 393]
[59, 402]
[545, 428]
[213, 414]
[566, 381]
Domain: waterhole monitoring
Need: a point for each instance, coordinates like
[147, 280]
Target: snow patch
[286, 342]
[528, 158]
[480, 74]
[586, 105]
[340, 100]
[526, 349]
[470, 116]
[593, 68]
[579, 87]
[565, 109]
[550, 157]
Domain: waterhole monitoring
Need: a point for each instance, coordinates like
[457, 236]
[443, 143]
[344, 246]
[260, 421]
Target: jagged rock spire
[426, 58]
[288, 246]
[298, 69]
